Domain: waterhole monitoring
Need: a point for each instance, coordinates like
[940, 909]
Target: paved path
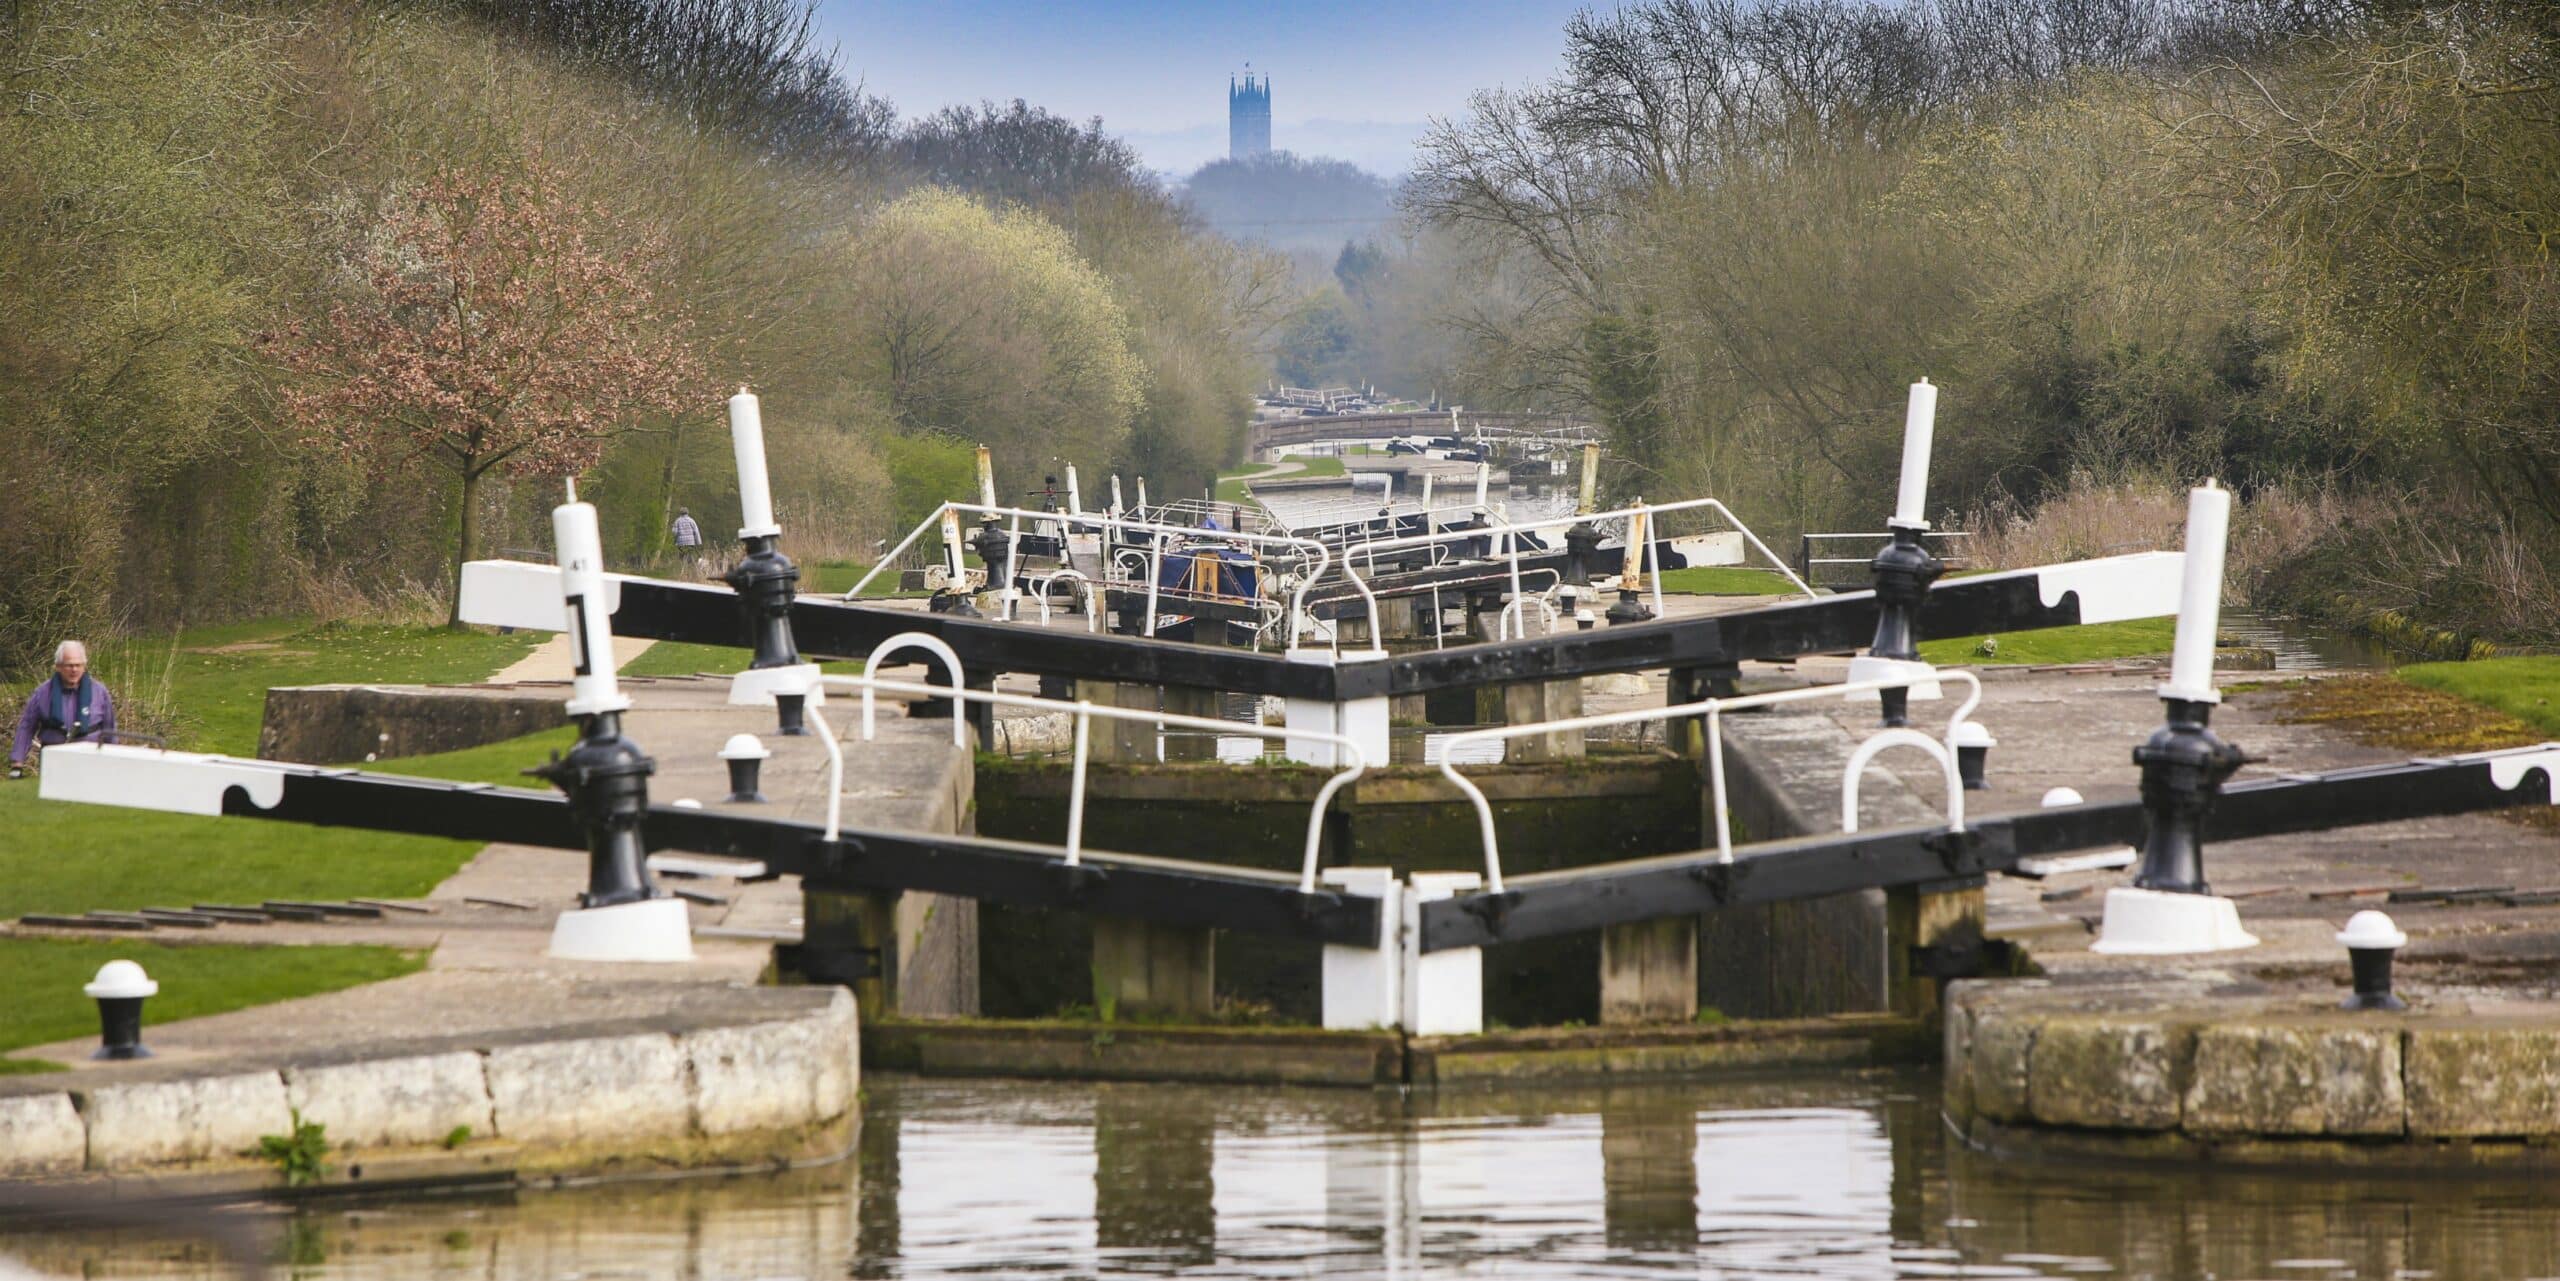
[552, 661]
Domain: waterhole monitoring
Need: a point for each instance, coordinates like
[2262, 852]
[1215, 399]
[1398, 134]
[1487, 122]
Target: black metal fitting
[1581, 546]
[993, 552]
[766, 581]
[120, 1029]
[1903, 571]
[743, 777]
[2183, 768]
[606, 778]
[1629, 609]
[2372, 969]
[791, 715]
[1969, 763]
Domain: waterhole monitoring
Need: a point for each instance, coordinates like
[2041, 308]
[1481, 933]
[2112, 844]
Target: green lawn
[670, 658]
[2095, 642]
[836, 577]
[502, 763]
[220, 698]
[64, 857]
[1725, 580]
[2526, 688]
[45, 976]
[1231, 484]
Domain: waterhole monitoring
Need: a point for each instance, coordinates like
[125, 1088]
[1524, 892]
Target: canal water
[1827, 1175]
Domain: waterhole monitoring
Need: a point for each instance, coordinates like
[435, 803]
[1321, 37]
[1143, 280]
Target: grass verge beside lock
[45, 977]
[71, 858]
[2088, 643]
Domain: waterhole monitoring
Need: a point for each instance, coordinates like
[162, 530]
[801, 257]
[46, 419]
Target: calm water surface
[1821, 1175]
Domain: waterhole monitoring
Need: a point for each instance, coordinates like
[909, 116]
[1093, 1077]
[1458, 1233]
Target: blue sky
[1353, 80]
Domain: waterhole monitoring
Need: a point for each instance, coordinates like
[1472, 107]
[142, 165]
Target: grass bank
[70, 858]
[2525, 688]
[1724, 580]
[2090, 643]
[1231, 484]
[45, 976]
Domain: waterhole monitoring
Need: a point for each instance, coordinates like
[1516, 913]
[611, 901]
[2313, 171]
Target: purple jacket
[43, 720]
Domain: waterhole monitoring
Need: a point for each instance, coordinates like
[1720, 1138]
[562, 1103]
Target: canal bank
[499, 1063]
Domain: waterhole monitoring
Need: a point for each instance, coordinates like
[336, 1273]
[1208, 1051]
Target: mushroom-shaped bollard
[119, 990]
[2371, 939]
[1973, 746]
[746, 756]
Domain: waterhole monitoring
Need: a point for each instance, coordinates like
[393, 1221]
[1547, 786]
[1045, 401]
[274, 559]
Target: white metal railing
[1713, 709]
[1321, 556]
[1648, 512]
[1092, 602]
[872, 685]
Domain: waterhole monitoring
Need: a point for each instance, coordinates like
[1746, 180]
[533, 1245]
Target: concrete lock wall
[759, 1091]
[1814, 956]
[342, 724]
[1572, 813]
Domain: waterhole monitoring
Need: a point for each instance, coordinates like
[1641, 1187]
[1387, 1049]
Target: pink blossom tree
[491, 332]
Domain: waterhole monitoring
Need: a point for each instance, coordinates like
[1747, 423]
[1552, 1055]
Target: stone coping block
[2218, 1069]
[590, 1098]
[41, 1134]
[771, 1076]
[186, 1121]
[394, 1102]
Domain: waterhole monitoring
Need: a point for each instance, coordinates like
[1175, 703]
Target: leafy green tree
[985, 325]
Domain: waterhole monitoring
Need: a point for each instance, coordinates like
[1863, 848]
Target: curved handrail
[931, 644]
[1084, 711]
[1713, 709]
[1040, 588]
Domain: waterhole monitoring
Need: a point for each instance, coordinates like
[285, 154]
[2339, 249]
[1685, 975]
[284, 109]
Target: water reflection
[1833, 1175]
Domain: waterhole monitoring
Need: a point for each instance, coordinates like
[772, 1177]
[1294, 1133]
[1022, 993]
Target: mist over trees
[206, 292]
[1292, 203]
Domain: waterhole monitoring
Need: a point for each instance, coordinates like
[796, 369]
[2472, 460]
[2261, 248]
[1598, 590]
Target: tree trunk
[462, 545]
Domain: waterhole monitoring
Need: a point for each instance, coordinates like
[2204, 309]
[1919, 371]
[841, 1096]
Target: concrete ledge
[1126, 1052]
[1628, 1053]
[2203, 1068]
[576, 1091]
[394, 1102]
[770, 1076]
[1306, 1056]
[41, 1134]
[196, 1119]
[590, 1102]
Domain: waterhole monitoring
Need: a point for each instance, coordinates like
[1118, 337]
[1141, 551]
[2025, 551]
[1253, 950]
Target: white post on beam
[1443, 991]
[755, 488]
[581, 549]
[1363, 720]
[1364, 986]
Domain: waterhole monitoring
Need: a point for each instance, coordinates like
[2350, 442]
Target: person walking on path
[67, 708]
[688, 541]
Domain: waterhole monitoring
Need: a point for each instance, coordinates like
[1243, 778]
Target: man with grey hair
[65, 709]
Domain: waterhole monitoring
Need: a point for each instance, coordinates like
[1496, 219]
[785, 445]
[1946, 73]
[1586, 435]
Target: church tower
[1248, 117]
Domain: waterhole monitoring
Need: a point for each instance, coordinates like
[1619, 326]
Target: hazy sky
[1353, 80]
